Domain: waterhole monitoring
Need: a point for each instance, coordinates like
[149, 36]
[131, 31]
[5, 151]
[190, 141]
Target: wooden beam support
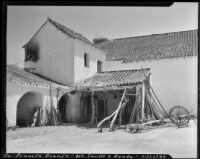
[93, 108]
[143, 100]
[120, 117]
[133, 110]
[106, 88]
[105, 107]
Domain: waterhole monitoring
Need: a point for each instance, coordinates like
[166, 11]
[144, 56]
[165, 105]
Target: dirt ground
[71, 138]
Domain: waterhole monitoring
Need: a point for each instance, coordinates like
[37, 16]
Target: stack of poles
[146, 109]
[154, 97]
[52, 109]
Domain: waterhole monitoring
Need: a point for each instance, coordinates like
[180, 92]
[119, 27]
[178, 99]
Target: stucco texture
[80, 71]
[55, 54]
[173, 80]
[24, 98]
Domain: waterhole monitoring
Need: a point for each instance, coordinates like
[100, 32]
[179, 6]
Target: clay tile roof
[69, 32]
[156, 46]
[21, 77]
[64, 30]
[115, 78]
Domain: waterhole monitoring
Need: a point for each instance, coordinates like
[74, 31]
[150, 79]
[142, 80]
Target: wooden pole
[155, 93]
[151, 122]
[154, 105]
[120, 117]
[120, 105]
[115, 112]
[107, 118]
[58, 110]
[133, 110]
[143, 100]
[93, 108]
[104, 104]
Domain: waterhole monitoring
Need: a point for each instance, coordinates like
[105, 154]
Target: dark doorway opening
[126, 113]
[62, 105]
[88, 105]
[27, 106]
[100, 110]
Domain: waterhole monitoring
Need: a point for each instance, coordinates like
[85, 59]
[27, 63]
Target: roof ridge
[55, 22]
[75, 32]
[65, 30]
[138, 69]
[152, 47]
[157, 34]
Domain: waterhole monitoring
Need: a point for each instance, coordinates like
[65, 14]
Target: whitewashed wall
[174, 80]
[14, 93]
[56, 54]
[80, 71]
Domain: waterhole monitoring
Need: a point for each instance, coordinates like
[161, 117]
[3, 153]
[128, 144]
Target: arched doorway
[62, 105]
[26, 108]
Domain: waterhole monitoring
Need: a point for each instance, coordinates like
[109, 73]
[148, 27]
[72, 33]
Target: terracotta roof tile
[21, 77]
[64, 30]
[115, 78]
[69, 32]
[156, 46]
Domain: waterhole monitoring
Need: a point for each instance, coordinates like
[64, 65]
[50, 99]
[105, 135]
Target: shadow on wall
[74, 108]
[26, 108]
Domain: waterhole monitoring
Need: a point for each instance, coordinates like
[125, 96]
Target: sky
[110, 22]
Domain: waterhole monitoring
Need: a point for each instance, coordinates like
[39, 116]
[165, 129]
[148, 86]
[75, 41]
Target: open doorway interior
[27, 106]
[62, 105]
[88, 104]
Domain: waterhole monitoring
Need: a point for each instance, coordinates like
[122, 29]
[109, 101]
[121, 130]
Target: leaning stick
[107, 118]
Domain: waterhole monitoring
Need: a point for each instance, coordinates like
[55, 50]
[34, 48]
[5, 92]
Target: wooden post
[93, 108]
[120, 117]
[58, 110]
[154, 93]
[104, 104]
[120, 105]
[134, 110]
[143, 100]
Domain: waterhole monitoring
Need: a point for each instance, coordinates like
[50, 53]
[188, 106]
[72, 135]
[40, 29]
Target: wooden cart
[180, 116]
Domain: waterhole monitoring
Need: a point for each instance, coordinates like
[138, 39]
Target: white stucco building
[60, 56]
[172, 58]
[24, 91]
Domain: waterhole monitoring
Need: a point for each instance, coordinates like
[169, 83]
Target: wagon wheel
[179, 115]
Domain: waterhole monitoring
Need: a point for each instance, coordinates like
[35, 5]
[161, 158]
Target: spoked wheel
[179, 116]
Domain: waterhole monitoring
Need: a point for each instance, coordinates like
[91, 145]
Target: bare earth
[178, 142]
